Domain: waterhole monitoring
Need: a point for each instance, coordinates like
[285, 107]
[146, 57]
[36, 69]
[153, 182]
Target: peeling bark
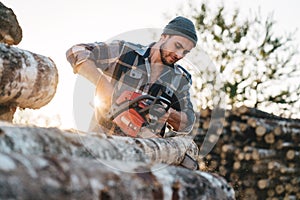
[10, 30]
[47, 177]
[27, 80]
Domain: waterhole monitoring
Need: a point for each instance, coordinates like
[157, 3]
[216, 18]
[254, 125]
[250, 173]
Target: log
[27, 80]
[53, 141]
[266, 183]
[10, 30]
[49, 177]
[292, 154]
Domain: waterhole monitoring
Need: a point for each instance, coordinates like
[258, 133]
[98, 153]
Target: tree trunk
[27, 80]
[49, 177]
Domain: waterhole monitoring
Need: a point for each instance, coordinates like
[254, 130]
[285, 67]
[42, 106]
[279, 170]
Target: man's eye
[185, 52]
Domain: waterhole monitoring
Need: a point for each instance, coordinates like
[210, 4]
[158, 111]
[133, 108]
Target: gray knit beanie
[183, 27]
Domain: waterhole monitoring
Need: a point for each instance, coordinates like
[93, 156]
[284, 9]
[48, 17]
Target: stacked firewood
[258, 153]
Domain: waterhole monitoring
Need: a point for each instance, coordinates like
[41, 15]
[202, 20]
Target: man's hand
[177, 119]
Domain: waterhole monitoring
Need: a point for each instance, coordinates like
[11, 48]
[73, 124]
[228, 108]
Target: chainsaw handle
[157, 102]
[116, 109]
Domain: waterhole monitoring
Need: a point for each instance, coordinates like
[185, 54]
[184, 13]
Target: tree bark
[52, 141]
[27, 80]
[49, 177]
[55, 164]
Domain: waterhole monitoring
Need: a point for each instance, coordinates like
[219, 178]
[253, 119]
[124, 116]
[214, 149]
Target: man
[120, 66]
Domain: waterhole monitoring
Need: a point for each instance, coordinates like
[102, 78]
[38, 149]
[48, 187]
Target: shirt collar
[145, 50]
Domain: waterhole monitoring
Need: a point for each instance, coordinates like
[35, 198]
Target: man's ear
[164, 37]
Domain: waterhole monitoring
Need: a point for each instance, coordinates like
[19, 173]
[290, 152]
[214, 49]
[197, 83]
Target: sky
[51, 27]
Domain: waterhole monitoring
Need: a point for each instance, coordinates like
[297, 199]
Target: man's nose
[179, 54]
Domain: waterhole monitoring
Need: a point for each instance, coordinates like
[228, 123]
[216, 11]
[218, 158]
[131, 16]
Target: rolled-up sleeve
[78, 54]
[101, 54]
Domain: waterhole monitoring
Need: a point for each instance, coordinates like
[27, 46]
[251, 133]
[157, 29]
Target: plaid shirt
[126, 63]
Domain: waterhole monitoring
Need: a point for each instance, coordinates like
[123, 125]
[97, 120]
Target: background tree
[257, 67]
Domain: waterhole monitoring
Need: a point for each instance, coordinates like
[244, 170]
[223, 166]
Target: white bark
[27, 80]
[52, 141]
[49, 177]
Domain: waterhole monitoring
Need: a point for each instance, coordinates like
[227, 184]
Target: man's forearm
[89, 70]
[104, 88]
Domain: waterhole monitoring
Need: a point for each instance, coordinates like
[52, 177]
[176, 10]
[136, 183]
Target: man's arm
[83, 58]
[177, 119]
[181, 115]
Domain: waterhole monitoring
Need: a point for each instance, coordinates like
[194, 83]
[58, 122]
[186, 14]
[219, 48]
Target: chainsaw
[133, 110]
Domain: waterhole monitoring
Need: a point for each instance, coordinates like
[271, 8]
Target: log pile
[258, 153]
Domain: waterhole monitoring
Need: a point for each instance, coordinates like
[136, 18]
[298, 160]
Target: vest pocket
[133, 78]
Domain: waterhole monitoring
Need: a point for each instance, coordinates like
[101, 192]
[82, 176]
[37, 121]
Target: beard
[164, 54]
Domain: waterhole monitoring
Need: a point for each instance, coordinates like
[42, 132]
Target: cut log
[52, 141]
[40, 177]
[292, 154]
[10, 30]
[260, 131]
[27, 80]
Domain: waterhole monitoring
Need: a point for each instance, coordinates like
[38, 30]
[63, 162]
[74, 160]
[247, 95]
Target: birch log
[10, 30]
[48, 177]
[27, 80]
[53, 141]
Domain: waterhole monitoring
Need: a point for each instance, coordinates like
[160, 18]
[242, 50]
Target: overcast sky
[51, 27]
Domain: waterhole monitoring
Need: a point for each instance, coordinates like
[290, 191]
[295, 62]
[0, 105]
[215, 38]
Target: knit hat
[183, 27]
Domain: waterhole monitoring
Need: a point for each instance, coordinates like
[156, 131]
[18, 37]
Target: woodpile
[258, 153]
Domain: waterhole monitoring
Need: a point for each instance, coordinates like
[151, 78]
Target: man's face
[174, 48]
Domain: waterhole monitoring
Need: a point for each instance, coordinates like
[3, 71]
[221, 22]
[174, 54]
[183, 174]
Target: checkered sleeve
[185, 104]
[102, 54]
